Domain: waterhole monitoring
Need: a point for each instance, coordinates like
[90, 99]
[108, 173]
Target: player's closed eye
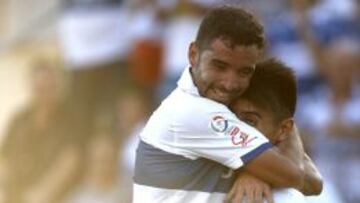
[250, 121]
[219, 65]
[247, 71]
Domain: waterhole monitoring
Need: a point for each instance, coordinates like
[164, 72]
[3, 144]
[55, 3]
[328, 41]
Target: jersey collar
[186, 83]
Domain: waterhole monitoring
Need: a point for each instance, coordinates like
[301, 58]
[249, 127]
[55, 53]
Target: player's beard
[208, 87]
[218, 95]
[213, 92]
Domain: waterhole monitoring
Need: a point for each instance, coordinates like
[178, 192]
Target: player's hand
[249, 189]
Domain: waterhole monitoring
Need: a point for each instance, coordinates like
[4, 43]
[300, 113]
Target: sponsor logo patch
[241, 138]
[229, 128]
[219, 124]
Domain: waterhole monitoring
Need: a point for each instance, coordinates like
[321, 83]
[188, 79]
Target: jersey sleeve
[217, 134]
[196, 127]
[201, 128]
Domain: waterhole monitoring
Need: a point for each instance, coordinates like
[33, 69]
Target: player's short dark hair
[230, 23]
[273, 87]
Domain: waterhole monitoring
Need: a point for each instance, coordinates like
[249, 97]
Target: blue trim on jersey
[157, 168]
[251, 155]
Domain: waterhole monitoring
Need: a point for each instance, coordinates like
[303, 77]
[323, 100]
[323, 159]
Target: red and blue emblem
[219, 124]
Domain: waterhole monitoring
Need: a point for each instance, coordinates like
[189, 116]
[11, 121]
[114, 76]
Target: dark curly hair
[231, 23]
[273, 87]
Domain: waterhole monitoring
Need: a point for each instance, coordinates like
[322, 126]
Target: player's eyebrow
[220, 62]
[252, 113]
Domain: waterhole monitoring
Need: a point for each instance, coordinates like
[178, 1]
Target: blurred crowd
[75, 141]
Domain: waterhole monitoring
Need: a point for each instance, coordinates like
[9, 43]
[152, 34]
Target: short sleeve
[216, 133]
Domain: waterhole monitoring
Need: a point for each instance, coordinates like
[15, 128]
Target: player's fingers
[258, 196]
[250, 196]
[238, 198]
[268, 196]
[230, 195]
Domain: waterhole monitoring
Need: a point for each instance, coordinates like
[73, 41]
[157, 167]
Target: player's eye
[246, 71]
[219, 65]
[250, 121]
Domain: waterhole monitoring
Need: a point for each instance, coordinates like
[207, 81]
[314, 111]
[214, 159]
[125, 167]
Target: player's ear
[285, 129]
[193, 54]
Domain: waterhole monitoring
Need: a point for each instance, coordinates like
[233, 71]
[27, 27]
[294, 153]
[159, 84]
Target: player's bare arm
[313, 183]
[294, 149]
[312, 180]
[275, 168]
[285, 159]
[252, 181]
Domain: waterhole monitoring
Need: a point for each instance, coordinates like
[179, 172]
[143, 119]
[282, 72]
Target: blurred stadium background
[78, 79]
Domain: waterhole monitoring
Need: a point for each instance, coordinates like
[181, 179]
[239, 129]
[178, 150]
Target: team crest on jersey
[219, 124]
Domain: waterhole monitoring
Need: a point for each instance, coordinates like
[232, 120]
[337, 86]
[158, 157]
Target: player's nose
[232, 84]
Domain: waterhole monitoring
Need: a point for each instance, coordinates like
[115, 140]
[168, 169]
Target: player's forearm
[276, 169]
[283, 164]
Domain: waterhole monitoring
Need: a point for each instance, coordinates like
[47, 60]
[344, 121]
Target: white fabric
[152, 194]
[92, 194]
